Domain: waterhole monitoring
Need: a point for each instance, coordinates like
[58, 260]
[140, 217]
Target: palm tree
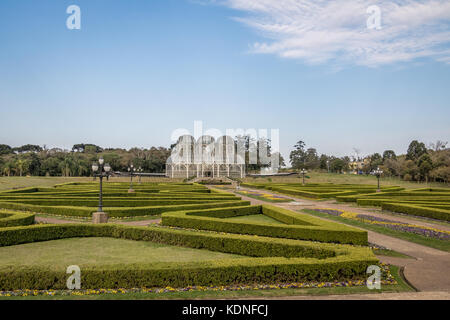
[8, 168]
[21, 166]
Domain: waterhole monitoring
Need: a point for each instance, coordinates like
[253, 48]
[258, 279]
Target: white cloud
[318, 31]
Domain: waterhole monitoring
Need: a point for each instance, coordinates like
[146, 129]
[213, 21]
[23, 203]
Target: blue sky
[139, 69]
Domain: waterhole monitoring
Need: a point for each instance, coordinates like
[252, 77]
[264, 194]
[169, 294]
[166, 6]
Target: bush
[417, 210]
[273, 259]
[298, 226]
[116, 212]
[15, 218]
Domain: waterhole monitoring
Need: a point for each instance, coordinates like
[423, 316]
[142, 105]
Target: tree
[5, 149]
[425, 166]
[28, 148]
[311, 159]
[8, 168]
[337, 165]
[297, 156]
[22, 166]
[415, 150]
[391, 167]
[88, 148]
[323, 164]
[409, 170]
[375, 161]
[439, 145]
[389, 154]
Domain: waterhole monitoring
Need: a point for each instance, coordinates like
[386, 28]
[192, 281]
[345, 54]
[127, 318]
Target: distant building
[357, 165]
[205, 157]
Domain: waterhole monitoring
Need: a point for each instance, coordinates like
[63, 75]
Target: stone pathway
[53, 220]
[428, 271]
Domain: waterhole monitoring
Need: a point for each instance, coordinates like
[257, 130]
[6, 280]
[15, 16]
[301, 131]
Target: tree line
[420, 163]
[40, 161]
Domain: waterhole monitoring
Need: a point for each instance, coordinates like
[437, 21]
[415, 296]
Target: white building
[206, 157]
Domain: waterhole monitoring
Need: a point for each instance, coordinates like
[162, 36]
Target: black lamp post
[378, 174]
[100, 170]
[139, 170]
[131, 170]
[303, 172]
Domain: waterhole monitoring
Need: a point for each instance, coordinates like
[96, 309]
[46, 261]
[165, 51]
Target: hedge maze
[430, 203]
[425, 202]
[81, 199]
[294, 248]
[319, 190]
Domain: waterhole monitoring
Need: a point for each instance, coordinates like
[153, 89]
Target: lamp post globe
[131, 170]
[303, 172]
[378, 174]
[100, 170]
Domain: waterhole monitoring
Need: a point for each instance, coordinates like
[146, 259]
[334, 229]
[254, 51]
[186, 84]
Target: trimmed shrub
[300, 226]
[15, 218]
[116, 212]
[274, 259]
[417, 210]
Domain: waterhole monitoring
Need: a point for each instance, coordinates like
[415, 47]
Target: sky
[328, 73]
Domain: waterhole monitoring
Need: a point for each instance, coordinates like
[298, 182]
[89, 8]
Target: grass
[7, 183]
[262, 198]
[255, 218]
[416, 238]
[89, 219]
[59, 254]
[323, 177]
[390, 253]
[402, 286]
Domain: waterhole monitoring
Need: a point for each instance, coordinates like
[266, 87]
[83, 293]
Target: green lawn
[262, 198]
[100, 251]
[323, 177]
[256, 218]
[402, 286]
[416, 238]
[390, 253]
[24, 182]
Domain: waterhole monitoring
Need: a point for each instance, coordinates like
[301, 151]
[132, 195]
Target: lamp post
[139, 170]
[303, 172]
[100, 170]
[131, 170]
[378, 174]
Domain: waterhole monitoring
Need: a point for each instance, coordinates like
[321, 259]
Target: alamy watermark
[374, 20]
[374, 280]
[73, 22]
[74, 280]
[251, 146]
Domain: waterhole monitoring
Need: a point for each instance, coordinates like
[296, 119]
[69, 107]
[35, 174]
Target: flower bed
[391, 224]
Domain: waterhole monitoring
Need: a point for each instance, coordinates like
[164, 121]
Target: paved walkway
[428, 271]
[435, 295]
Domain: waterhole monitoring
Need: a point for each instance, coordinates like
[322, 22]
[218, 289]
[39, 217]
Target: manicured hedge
[417, 210]
[300, 226]
[108, 202]
[15, 218]
[320, 191]
[273, 259]
[116, 211]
